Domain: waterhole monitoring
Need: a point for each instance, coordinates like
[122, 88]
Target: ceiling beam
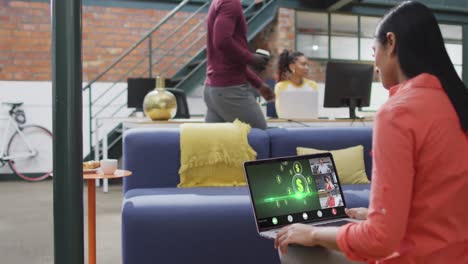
[338, 5]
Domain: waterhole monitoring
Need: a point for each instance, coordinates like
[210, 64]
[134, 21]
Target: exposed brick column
[279, 35]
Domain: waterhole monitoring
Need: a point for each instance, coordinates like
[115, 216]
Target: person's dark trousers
[225, 104]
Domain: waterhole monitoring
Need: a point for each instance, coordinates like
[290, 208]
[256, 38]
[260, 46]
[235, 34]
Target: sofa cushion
[153, 155]
[356, 195]
[284, 141]
[349, 163]
[192, 225]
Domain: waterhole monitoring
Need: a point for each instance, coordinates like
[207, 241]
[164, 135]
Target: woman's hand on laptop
[306, 235]
[357, 213]
[295, 234]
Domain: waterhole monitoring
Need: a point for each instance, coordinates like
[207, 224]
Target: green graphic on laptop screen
[298, 189]
[292, 189]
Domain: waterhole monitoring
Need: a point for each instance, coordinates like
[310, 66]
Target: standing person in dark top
[228, 90]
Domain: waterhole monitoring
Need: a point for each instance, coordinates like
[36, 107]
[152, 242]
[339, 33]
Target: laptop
[298, 189]
[298, 104]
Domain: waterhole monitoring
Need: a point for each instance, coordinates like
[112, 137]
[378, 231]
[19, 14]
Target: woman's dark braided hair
[286, 57]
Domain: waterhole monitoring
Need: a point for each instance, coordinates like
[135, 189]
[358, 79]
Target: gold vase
[160, 104]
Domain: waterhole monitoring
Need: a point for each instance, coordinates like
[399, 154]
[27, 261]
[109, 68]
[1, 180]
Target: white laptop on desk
[297, 104]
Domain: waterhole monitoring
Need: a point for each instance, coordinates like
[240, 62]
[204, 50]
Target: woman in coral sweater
[411, 217]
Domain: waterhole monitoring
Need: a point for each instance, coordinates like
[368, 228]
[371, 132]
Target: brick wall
[279, 35]
[25, 41]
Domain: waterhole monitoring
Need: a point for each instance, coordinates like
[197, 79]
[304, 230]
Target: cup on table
[108, 166]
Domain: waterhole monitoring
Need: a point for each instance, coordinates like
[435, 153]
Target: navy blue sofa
[164, 224]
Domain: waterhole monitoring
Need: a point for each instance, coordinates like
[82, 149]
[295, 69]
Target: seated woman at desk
[293, 68]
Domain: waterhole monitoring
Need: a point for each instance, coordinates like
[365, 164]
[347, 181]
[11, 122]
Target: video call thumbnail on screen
[282, 188]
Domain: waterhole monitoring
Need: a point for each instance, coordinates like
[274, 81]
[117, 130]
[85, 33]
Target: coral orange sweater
[418, 205]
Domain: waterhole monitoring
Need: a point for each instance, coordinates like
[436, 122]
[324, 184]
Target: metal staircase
[184, 60]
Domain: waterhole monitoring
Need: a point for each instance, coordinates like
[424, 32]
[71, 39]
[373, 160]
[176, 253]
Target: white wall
[37, 98]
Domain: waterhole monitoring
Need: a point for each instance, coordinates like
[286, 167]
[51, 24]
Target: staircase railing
[154, 55]
[149, 55]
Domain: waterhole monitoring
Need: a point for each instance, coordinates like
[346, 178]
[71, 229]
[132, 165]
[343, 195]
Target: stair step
[194, 64]
[245, 3]
[174, 81]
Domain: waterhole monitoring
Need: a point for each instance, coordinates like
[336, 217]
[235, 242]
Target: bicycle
[29, 148]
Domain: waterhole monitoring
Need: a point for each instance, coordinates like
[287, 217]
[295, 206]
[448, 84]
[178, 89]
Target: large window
[325, 36]
[312, 34]
[350, 37]
[366, 36]
[453, 43]
[344, 37]
[335, 36]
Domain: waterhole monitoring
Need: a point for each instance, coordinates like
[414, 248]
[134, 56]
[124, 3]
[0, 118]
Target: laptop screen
[298, 104]
[294, 190]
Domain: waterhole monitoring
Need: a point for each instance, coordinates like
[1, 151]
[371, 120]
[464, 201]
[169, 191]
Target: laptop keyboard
[337, 223]
[272, 233]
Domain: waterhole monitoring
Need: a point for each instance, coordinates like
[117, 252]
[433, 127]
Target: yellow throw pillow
[349, 163]
[215, 175]
[212, 155]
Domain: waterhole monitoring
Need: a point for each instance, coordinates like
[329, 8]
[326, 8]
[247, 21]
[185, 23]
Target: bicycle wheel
[38, 166]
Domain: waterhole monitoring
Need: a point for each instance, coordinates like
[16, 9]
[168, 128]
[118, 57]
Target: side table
[91, 178]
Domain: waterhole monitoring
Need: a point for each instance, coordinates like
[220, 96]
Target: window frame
[329, 15]
[359, 37]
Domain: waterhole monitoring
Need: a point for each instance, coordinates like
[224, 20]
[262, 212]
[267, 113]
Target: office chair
[182, 107]
[270, 107]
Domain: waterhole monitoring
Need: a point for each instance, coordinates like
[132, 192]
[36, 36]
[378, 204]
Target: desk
[91, 178]
[277, 122]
